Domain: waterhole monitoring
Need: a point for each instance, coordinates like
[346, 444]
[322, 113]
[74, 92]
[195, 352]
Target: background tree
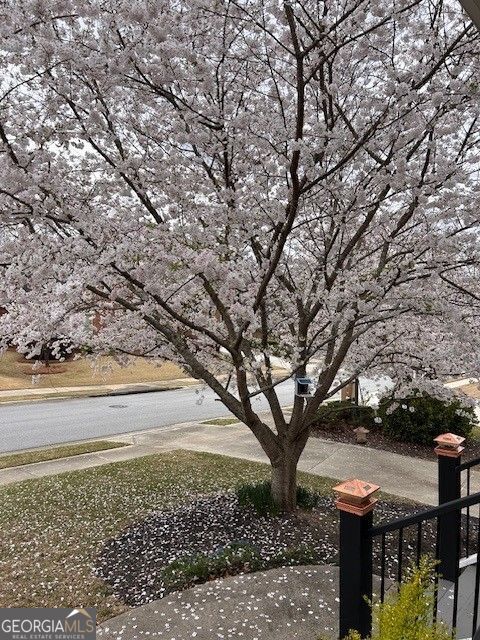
[232, 180]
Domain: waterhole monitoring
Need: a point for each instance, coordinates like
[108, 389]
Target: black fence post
[356, 505]
[449, 455]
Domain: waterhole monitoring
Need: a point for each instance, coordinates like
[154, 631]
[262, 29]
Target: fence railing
[373, 558]
[465, 474]
[419, 522]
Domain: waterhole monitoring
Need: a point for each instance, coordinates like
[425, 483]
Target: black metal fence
[373, 558]
[431, 522]
[465, 474]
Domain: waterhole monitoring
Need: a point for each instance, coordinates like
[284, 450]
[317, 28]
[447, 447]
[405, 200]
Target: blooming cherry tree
[227, 182]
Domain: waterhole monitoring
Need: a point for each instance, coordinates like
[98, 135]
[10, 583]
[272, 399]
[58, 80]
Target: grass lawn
[52, 529]
[53, 453]
[16, 373]
[221, 422]
[472, 390]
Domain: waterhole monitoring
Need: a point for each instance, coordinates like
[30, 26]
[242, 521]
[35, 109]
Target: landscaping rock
[132, 563]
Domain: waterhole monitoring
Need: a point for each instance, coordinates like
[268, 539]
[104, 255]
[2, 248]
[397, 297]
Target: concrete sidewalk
[403, 476]
[292, 603]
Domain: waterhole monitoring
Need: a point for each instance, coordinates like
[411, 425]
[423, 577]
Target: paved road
[36, 424]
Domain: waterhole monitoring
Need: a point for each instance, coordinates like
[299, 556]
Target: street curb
[128, 392]
[100, 394]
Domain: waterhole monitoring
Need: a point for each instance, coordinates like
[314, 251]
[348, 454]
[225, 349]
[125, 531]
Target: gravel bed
[132, 563]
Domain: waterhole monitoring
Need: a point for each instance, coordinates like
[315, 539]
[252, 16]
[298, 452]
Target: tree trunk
[284, 482]
[45, 356]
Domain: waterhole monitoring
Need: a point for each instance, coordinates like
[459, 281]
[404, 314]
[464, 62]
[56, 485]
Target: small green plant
[294, 556]
[259, 497]
[240, 557]
[306, 499]
[421, 418]
[407, 614]
[231, 560]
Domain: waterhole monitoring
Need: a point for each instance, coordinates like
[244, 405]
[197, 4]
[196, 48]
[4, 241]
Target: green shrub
[344, 411]
[259, 497]
[306, 499]
[421, 418]
[407, 615]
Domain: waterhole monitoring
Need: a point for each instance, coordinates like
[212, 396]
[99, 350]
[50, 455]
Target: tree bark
[284, 459]
[284, 481]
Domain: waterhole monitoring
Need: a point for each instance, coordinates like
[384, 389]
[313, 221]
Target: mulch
[132, 563]
[343, 432]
